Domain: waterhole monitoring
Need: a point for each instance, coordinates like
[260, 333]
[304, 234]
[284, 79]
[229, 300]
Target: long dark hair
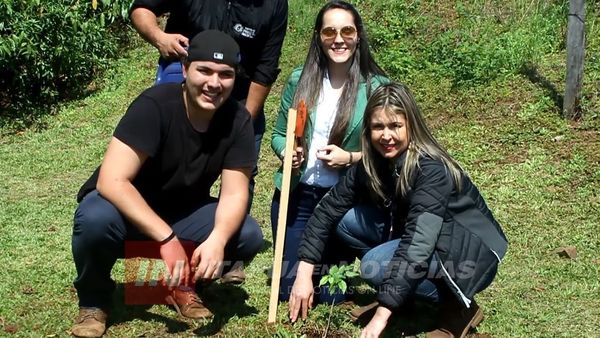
[394, 99]
[363, 66]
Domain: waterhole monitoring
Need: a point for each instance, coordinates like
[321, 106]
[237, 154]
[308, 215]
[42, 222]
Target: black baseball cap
[216, 46]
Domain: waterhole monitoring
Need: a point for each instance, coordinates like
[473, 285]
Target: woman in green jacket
[338, 75]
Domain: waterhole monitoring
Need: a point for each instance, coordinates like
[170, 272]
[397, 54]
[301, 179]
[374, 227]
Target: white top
[317, 173]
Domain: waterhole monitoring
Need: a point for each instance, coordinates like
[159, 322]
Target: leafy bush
[51, 49]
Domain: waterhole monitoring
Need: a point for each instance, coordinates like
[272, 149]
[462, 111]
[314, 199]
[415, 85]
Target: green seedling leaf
[342, 286]
[324, 280]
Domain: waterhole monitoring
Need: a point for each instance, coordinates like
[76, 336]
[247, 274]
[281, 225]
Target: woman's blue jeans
[365, 229]
[302, 202]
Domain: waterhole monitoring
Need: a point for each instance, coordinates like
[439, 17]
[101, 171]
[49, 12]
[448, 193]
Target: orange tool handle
[300, 119]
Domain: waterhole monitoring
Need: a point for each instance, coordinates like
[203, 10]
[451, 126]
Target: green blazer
[351, 141]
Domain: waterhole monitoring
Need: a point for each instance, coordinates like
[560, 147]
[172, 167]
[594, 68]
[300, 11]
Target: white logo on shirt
[246, 32]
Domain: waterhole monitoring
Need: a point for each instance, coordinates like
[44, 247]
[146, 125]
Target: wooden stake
[575, 56]
[282, 217]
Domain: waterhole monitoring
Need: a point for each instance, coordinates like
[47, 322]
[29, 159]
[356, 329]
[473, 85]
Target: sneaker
[234, 276]
[456, 320]
[91, 322]
[188, 304]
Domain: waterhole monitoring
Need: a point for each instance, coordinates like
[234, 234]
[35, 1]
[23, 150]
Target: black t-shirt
[258, 26]
[182, 163]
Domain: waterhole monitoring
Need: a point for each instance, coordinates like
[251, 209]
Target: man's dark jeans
[100, 233]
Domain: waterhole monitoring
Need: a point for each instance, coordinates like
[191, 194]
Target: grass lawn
[539, 173]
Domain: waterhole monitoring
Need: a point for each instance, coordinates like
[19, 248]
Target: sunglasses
[348, 32]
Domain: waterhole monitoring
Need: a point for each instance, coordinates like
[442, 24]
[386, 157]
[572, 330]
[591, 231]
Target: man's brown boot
[91, 322]
[187, 303]
[234, 276]
[456, 320]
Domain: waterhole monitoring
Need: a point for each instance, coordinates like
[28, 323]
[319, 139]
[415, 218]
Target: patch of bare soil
[333, 332]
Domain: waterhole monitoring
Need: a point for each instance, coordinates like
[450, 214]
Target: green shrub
[52, 49]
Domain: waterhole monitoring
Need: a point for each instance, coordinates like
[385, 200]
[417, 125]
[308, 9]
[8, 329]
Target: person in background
[257, 26]
[335, 82]
[424, 229]
[154, 184]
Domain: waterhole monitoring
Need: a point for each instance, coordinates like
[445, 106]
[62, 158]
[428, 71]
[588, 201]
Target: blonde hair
[395, 98]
